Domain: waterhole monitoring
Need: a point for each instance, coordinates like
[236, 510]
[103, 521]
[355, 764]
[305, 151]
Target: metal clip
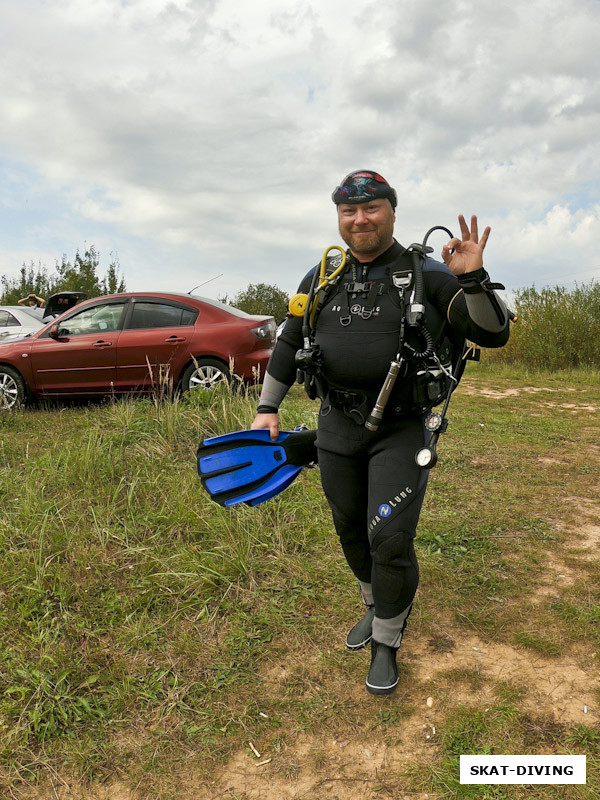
[402, 280]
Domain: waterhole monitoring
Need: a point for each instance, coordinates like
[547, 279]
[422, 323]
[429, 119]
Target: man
[32, 300]
[372, 482]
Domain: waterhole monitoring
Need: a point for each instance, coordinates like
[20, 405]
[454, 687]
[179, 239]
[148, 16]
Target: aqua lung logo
[363, 312]
[360, 311]
[385, 509]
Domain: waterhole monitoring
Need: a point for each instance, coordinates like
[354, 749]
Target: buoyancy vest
[357, 330]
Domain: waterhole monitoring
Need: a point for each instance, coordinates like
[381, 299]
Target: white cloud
[559, 228]
[211, 130]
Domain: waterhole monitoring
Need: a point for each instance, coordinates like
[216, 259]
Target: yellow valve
[297, 305]
[325, 279]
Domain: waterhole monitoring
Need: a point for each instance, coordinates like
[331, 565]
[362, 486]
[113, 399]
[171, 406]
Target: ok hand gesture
[466, 254]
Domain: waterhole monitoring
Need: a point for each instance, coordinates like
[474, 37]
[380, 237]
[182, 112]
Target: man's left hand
[466, 254]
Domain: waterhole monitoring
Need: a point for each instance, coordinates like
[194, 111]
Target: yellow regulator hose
[299, 302]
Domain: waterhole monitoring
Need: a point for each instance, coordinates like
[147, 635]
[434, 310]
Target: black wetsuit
[372, 483]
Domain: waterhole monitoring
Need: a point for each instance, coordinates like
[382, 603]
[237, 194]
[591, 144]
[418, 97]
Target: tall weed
[556, 329]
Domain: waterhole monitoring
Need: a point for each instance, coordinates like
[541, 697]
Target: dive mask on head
[362, 186]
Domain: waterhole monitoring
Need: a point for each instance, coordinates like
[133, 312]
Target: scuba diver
[379, 339]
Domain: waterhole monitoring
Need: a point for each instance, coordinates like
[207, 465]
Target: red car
[126, 343]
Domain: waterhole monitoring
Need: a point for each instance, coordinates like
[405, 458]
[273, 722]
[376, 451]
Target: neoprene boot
[361, 633]
[383, 674]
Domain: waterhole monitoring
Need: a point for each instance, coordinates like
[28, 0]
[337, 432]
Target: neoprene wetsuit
[373, 485]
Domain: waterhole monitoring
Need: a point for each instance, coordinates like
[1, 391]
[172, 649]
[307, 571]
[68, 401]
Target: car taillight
[266, 331]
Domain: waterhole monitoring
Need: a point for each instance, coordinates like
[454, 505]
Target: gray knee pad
[395, 572]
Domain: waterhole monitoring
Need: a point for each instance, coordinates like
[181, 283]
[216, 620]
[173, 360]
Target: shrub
[556, 328]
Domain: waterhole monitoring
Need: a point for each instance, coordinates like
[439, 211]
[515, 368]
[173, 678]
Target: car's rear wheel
[205, 373]
[12, 388]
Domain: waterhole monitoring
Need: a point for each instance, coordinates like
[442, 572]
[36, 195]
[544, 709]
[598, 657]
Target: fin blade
[248, 467]
[237, 459]
[285, 476]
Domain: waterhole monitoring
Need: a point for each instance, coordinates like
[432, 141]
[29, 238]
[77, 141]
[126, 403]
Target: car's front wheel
[13, 391]
[204, 373]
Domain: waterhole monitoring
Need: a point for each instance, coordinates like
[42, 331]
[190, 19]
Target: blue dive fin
[247, 467]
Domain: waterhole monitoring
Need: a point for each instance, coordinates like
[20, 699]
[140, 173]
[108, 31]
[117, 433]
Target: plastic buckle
[403, 279]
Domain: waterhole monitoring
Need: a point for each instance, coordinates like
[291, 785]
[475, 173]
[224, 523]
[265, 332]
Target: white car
[19, 321]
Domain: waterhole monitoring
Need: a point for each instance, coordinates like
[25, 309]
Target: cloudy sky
[194, 138]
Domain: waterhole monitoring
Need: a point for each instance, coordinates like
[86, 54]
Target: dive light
[373, 421]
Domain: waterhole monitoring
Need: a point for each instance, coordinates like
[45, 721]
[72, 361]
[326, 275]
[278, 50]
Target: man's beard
[364, 245]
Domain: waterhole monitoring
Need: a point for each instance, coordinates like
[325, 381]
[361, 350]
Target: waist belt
[356, 406]
[340, 398]
[353, 404]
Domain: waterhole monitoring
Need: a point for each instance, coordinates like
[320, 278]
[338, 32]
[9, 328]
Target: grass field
[155, 645]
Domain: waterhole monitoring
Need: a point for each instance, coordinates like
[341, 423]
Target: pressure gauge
[426, 458]
[433, 421]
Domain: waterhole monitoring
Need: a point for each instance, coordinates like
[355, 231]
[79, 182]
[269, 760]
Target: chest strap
[374, 288]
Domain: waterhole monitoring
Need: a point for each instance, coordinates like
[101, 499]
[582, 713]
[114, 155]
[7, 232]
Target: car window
[98, 319]
[7, 320]
[160, 315]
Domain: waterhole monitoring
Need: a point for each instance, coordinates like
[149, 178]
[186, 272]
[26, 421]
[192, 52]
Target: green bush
[556, 329]
[261, 298]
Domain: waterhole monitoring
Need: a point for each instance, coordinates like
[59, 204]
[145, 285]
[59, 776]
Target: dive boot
[361, 633]
[383, 674]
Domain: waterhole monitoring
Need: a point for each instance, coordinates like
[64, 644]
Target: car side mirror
[53, 332]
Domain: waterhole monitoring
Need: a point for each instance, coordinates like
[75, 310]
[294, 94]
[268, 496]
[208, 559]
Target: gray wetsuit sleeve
[273, 391]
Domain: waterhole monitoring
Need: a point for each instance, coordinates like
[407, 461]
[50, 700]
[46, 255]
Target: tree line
[83, 275]
[556, 328]
[80, 275]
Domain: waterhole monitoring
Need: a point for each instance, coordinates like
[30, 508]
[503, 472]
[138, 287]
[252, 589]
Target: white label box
[523, 769]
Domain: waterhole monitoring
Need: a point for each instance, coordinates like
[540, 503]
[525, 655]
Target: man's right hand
[269, 421]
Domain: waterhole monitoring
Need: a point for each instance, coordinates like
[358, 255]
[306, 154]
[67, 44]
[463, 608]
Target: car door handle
[174, 340]
[102, 343]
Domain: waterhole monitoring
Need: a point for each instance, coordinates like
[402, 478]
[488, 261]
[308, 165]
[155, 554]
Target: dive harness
[435, 377]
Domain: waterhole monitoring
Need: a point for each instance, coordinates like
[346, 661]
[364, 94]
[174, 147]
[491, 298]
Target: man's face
[367, 228]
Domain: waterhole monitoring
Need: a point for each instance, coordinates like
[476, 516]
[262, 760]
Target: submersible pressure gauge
[435, 423]
[426, 457]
